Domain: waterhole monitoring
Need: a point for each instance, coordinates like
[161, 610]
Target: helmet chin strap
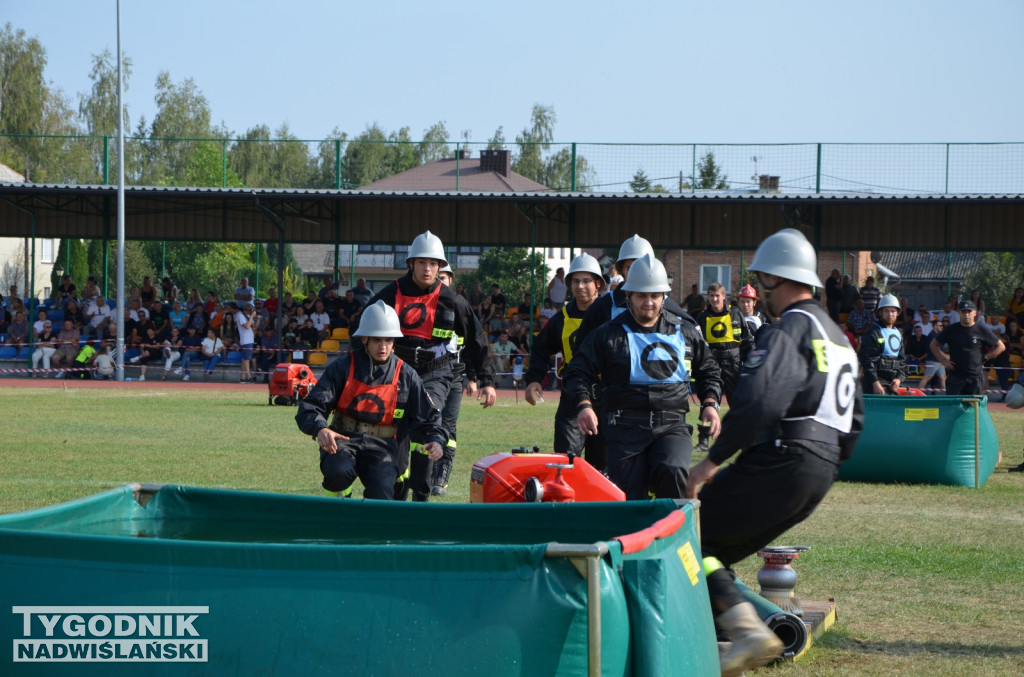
[629, 306]
[762, 279]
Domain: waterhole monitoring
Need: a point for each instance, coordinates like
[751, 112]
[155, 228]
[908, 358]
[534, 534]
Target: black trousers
[452, 406]
[644, 459]
[961, 384]
[569, 438]
[437, 382]
[759, 497]
[371, 459]
[729, 364]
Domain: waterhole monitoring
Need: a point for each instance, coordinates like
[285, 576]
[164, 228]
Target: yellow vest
[569, 327]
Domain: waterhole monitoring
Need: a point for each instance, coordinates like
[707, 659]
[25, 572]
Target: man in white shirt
[245, 320]
[321, 320]
[98, 314]
[557, 289]
[948, 314]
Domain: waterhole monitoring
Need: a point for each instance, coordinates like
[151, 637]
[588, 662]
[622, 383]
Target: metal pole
[817, 173]
[947, 169]
[119, 358]
[458, 160]
[573, 171]
[977, 443]
[223, 163]
[259, 247]
[337, 165]
[693, 170]
[106, 160]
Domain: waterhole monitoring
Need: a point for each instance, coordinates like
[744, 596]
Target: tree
[98, 109]
[552, 170]
[324, 166]
[641, 184]
[709, 174]
[23, 93]
[94, 258]
[183, 115]
[206, 266]
[136, 266]
[263, 162]
[13, 271]
[514, 269]
[374, 155]
[497, 142]
[73, 258]
[996, 276]
[434, 145]
[534, 141]
[204, 166]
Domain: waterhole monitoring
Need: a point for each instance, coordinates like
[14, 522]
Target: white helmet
[427, 246]
[447, 269]
[585, 263]
[647, 275]
[379, 320]
[888, 301]
[634, 248]
[788, 254]
[1015, 398]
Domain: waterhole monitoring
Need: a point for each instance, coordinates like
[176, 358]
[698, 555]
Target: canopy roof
[699, 221]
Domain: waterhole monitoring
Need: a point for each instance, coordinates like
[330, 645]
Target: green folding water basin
[938, 439]
[247, 583]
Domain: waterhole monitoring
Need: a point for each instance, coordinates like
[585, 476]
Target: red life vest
[416, 314]
[370, 404]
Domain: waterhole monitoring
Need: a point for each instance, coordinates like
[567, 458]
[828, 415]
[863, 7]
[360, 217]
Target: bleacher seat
[330, 345]
[112, 304]
[317, 359]
[55, 315]
[3, 338]
[24, 353]
[339, 333]
[130, 353]
[8, 353]
[233, 357]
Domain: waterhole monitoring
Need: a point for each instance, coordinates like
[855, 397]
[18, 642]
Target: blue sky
[657, 72]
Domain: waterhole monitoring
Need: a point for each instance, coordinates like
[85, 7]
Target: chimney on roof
[768, 184]
[464, 153]
[496, 161]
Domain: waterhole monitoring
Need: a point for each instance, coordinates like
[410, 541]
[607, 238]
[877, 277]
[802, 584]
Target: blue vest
[892, 341]
[656, 358]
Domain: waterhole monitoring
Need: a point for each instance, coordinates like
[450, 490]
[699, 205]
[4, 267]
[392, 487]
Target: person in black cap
[970, 344]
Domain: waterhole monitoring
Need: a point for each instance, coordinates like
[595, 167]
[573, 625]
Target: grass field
[927, 579]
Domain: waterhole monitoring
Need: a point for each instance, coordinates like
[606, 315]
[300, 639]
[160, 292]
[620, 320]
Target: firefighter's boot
[752, 643]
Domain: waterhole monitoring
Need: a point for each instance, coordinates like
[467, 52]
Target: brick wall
[684, 266]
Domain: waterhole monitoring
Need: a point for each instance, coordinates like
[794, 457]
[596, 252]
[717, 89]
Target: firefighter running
[644, 358]
[725, 331]
[796, 418]
[376, 399]
[585, 283]
[430, 317]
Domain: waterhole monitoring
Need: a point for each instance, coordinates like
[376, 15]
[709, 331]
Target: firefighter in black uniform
[452, 405]
[724, 330]
[644, 358]
[430, 316]
[611, 305]
[796, 418]
[585, 282]
[377, 399]
[882, 355]
[746, 301]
